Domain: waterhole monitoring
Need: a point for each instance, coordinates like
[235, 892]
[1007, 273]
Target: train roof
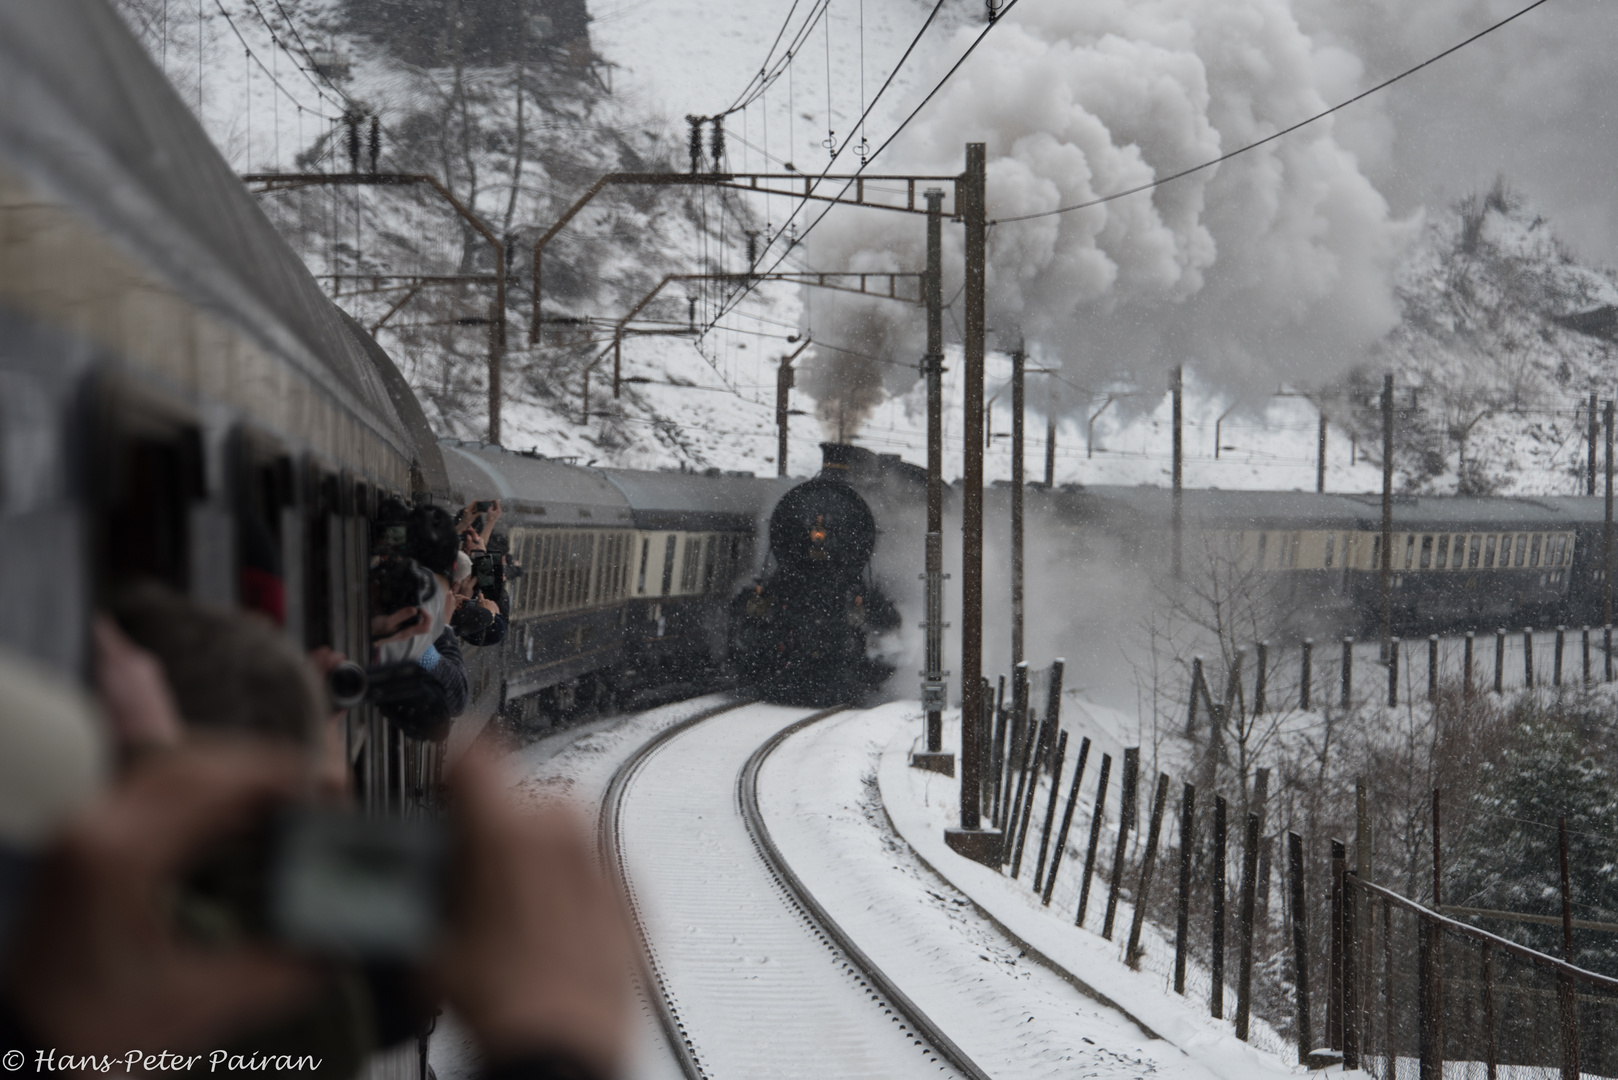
[698, 501]
[88, 119]
[533, 487]
[1216, 508]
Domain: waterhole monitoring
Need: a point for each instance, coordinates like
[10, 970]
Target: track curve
[749, 975]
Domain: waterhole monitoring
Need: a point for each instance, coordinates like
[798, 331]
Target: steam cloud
[1273, 267]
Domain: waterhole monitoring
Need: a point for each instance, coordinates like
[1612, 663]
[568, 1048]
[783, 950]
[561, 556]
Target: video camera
[396, 582]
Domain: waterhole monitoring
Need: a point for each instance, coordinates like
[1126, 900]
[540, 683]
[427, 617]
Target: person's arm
[538, 957]
[450, 671]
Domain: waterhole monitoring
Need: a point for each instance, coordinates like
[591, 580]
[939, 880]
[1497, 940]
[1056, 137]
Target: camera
[398, 582]
[342, 884]
[327, 881]
[403, 692]
[490, 572]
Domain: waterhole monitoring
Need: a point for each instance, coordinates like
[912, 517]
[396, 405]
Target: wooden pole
[1590, 460]
[1556, 665]
[1305, 673]
[1196, 688]
[1176, 390]
[1261, 677]
[1566, 996]
[1466, 666]
[1393, 672]
[1182, 918]
[1528, 657]
[1432, 667]
[974, 215]
[935, 685]
[1097, 816]
[1245, 913]
[1050, 436]
[1320, 458]
[1216, 997]
[1300, 941]
[1500, 660]
[1128, 794]
[1386, 567]
[1334, 994]
[1348, 670]
[1050, 811]
[1148, 867]
[1606, 529]
[1067, 822]
[1017, 404]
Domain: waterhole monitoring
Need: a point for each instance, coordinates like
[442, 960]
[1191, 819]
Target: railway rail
[747, 972]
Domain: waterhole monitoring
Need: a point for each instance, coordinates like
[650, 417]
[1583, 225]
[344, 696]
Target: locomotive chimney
[837, 460]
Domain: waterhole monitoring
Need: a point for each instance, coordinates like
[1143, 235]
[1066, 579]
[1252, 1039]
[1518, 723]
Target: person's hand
[99, 966]
[134, 691]
[491, 516]
[488, 605]
[404, 623]
[538, 955]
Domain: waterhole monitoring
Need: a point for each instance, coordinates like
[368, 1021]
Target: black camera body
[403, 692]
[398, 582]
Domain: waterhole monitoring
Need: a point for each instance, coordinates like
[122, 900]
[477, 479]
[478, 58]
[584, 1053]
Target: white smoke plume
[1274, 267]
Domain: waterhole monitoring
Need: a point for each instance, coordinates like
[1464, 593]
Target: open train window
[645, 554]
[269, 544]
[152, 475]
[1522, 544]
[1533, 550]
[1410, 549]
[1442, 555]
[1426, 553]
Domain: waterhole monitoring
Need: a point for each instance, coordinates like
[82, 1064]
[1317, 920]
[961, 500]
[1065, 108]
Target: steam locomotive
[802, 634]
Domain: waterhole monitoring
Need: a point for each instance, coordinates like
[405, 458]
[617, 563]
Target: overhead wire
[916, 40]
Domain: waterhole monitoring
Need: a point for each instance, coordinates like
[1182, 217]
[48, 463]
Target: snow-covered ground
[1014, 1015]
[921, 804]
[575, 765]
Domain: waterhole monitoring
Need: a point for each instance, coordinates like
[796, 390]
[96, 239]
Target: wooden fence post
[1432, 667]
[1304, 673]
[1097, 815]
[1126, 824]
[1216, 998]
[1042, 749]
[1245, 913]
[1556, 668]
[1566, 991]
[1300, 941]
[1148, 867]
[1196, 688]
[1528, 657]
[1050, 810]
[1348, 670]
[1067, 820]
[1393, 672]
[1586, 648]
[1351, 995]
[1182, 919]
[1261, 677]
[1334, 986]
[1024, 766]
[1500, 660]
[1466, 666]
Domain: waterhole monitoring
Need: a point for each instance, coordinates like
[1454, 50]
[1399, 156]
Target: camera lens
[347, 683]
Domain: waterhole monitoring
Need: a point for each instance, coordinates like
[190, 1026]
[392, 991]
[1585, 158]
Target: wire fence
[1406, 992]
[1424, 996]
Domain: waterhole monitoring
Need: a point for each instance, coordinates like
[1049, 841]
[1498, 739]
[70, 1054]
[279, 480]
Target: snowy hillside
[519, 117]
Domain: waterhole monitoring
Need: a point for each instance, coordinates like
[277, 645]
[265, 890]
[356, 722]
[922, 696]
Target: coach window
[1443, 552]
[1533, 551]
[1426, 553]
[668, 563]
[645, 555]
[1561, 550]
[1522, 547]
[1473, 544]
[1488, 550]
[1410, 550]
[1263, 546]
[1331, 544]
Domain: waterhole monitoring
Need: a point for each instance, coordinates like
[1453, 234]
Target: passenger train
[1457, 563]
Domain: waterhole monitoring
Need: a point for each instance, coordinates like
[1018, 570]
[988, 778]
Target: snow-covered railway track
[750, 975]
